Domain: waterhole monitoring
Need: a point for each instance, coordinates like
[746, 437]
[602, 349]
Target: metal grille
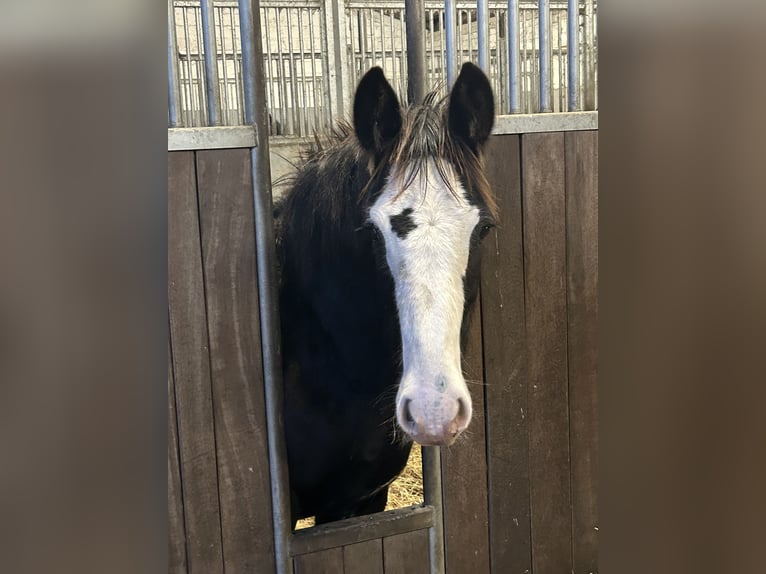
[298, 68]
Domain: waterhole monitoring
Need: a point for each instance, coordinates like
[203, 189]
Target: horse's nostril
[407, 414]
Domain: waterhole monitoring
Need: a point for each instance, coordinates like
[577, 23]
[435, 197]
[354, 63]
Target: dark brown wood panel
[361, 528]
[406, 553]
[546, 325]
[582, 312]
[191, 368]
[502, 304]
[224, 186]
[363, 558]
[464, 473]
[323, 562]
[176, 531]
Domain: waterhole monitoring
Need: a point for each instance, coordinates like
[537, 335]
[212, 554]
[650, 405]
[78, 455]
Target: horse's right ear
[377, 115]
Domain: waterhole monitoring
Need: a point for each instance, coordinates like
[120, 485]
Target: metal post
[590, 61]
[174, 86]
[573, 55]
[482, 22]
[333, 12]
[211, 63]
[449, 26]
[432, 490]
[414, 13]
[514, 92]
[256, 114]
[544, 20]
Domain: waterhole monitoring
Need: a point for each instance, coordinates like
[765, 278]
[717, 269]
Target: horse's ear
[377, 115]
[471, 107]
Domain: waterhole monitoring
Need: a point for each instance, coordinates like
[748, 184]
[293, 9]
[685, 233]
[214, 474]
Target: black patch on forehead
[403, 223]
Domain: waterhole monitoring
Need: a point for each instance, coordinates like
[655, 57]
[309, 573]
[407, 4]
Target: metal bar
[414, 11]
[514, 71]
[199, 63]
[269, 74]
[237, 75]
[296, 126]
[573, 55]
[211, 63]
[482, 21]
[314, 98]
[394, 73]
[188, 92]
[560, 105]
[304, 107]
[544, 21]
[590, 66]
[257, 114]
[402, 51]
[174, 85]
[280, 71]
[449, 26]
[433, 496]
[372, 34]
[225, 104]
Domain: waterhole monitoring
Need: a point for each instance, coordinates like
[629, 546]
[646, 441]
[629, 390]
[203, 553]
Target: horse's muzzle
[433, 418]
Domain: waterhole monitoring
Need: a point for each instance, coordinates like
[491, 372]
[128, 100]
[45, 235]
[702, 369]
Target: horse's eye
[485, 228]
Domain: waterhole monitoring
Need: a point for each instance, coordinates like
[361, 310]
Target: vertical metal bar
[199, 66]
[314, 99]
[394, 73]
[371, 18]
[296, 126]
[433, 496]
[383, 45]
[188, 92]
[559, 103]
[237, 76]
[449, 25]
[304, 108]
[256, 114]
[225, 105]
[514, 71]
[459, 40]
[174, 85]
[416, 74]
[432, 55]
[211, 63]
[482, 21]
[280, 70]
[573, 55]
[544, 20]
[269, 74]
[590, 66]
[403, 46]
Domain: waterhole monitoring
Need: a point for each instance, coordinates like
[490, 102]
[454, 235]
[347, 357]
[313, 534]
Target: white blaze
[428, 266]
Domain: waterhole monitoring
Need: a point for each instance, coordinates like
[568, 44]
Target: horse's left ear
[471, 107]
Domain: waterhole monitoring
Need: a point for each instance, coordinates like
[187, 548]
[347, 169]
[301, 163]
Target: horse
[377, 243]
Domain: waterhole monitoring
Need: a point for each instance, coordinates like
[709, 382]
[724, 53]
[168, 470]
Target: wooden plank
[406, 553]
[361, 528]
[546, 323]
[464, 473]
[176, 531]
[363, 558]
[228, 253]
[502, 304]
[328, 561]
[582, 313]
[191, 366]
